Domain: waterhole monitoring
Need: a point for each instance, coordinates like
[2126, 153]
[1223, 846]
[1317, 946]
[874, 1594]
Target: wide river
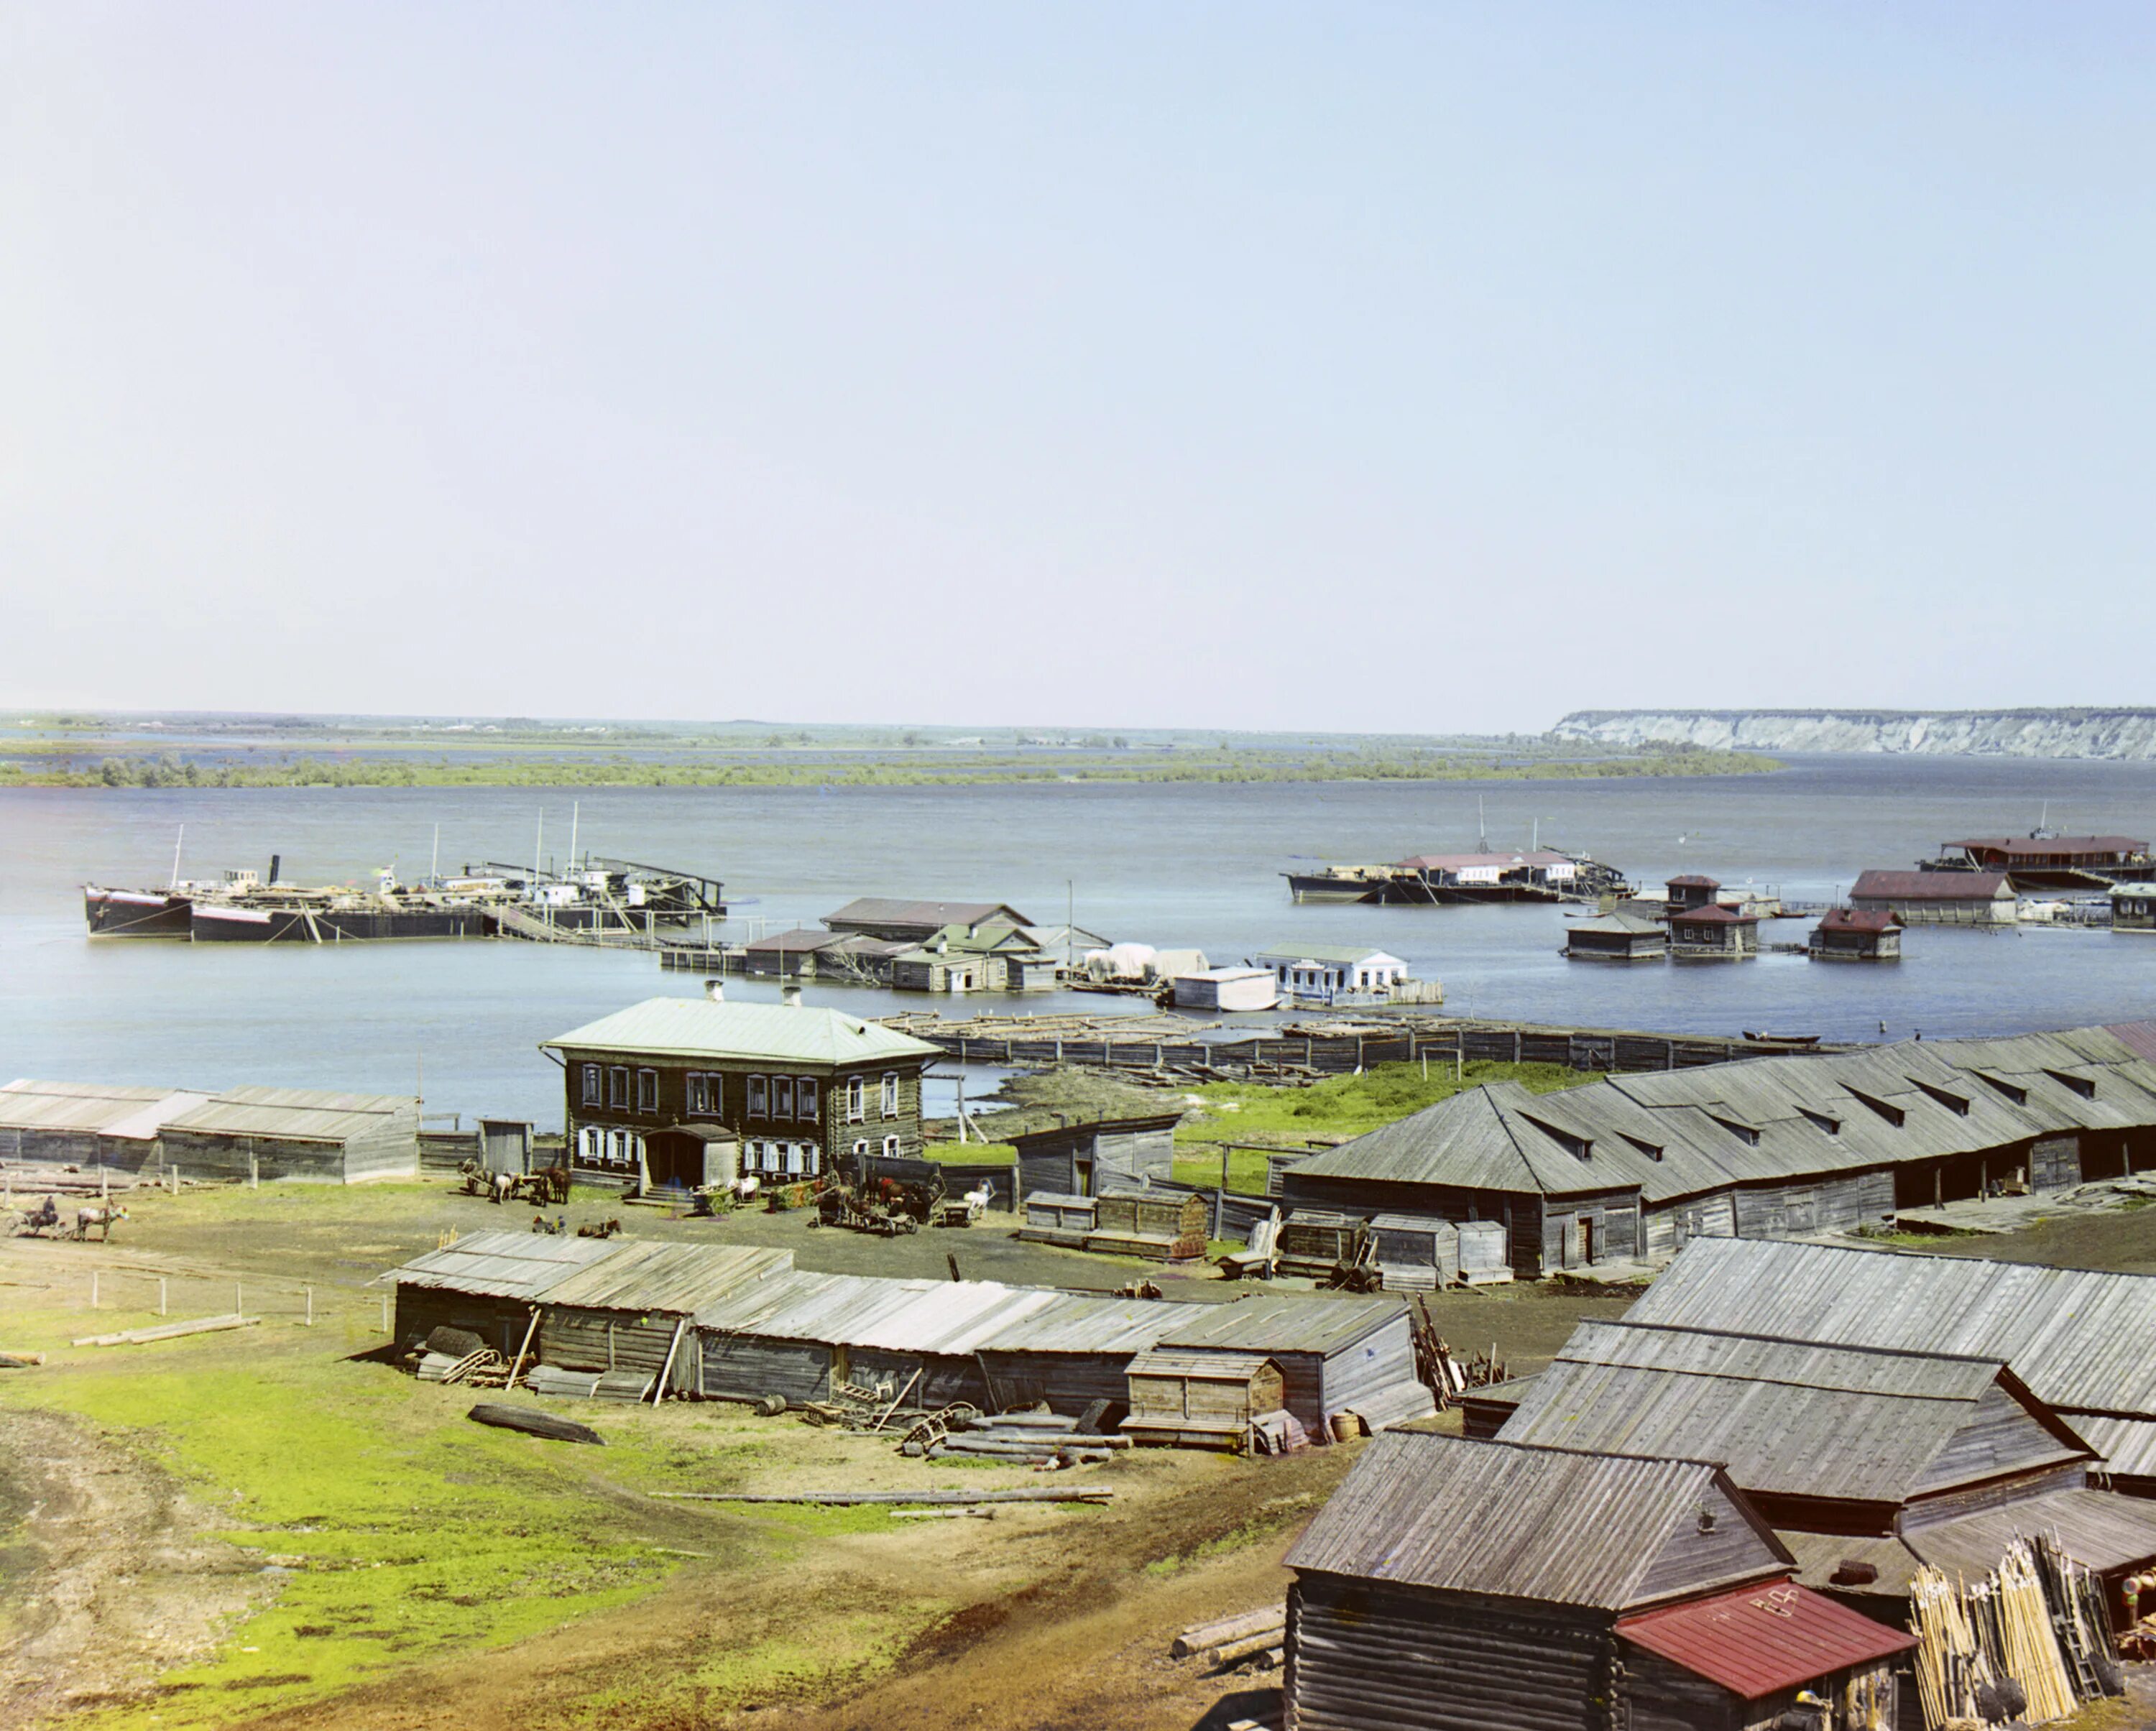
[1192, 865]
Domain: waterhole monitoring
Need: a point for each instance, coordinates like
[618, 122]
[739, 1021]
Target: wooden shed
[1201, 1400]
[297, 1133]
[1080, 1159]
[88, 1124]
[1336, 1355]
[1857, 935]
[487, 1284]
[1414, 1253]
[1449, 1583]
[1163, 1226]
[635, 1310]
[1054, 1217]
[1617, 937]
[1315, 1241]
[1485, 1257]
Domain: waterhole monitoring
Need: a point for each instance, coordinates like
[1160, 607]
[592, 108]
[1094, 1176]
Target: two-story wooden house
[803, 1091]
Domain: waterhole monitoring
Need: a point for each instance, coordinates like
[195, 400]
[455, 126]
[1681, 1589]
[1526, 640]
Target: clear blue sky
[1353, 365]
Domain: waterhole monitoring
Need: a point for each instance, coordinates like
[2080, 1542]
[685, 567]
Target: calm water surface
[1196, 864]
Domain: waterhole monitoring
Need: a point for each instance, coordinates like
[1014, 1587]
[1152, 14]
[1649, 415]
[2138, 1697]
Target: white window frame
[618, 1089]
[889, 1093]
[793, 1160]
[594, 1080]
[782, 1097]
[759, 1098]
[857, 1099]
[647, 1089]
[590, 1145]
[891, 1148]
[805, 1100]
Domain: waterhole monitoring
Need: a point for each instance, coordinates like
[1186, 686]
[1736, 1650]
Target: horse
[599, 1229]
[104, 1218]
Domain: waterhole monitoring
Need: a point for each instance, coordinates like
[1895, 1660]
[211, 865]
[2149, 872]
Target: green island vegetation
[1264, 1114]
[45, 767]
[186, 751]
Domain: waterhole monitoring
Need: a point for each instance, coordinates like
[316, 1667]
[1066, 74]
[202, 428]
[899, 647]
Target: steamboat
[1536, 874]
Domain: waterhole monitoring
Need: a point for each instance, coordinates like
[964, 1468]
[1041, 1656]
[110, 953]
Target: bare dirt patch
[111, 1586]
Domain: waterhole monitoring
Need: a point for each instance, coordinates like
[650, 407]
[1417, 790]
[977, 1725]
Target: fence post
[310, 1307]
[160, 1295]
[239, 1305]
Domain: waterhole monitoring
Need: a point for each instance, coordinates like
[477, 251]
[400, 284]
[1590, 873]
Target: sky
[1363, 366]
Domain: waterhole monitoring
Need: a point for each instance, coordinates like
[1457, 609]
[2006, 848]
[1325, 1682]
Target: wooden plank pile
[1037, 1438]
[1256, 1638]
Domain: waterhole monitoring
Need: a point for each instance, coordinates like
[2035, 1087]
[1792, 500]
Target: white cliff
[2124, 734]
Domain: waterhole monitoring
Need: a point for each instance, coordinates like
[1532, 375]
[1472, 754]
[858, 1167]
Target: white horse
[103, 1217]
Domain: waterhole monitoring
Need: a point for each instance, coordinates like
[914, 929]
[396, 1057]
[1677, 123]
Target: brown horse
[103, 1218]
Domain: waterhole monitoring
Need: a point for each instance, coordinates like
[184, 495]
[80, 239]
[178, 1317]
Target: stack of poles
[2037, 1619]
[1256, 1636]
[1030, 1439]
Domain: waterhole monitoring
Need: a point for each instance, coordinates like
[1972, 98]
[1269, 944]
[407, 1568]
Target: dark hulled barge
[1536, 874]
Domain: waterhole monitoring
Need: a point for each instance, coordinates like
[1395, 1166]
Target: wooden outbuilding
[1857, 935]
[1057, 1218]
[1337, 1355]
[1938, 898]
[297, 1133]
[1106, 1153]
[1228, 991]
[1413, 1253]
[2134, 908]
[1201, 1400]
[1713, 933]
[1449, 1583]
[1163, 1226]
[1690, 891]
[1315, 1243]
[1617, 937]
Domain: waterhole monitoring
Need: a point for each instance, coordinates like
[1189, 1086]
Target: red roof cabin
[1691, 891]
[1714, 933]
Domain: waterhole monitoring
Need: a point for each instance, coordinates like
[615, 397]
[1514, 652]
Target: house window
[703, 1094]
[594, 1089]
[756, 1106]
[890, 1147]
[591, 1143]
[618, 1089]
[861, 1149]
[890, 1094]
[857, 1098]
[782, 1097]
[647, 1090]
[793, 1159]
[804, 1100]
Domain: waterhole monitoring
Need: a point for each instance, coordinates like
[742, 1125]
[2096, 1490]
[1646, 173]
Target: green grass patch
[972, 1153]
[412, 1533]
[1287, 1118]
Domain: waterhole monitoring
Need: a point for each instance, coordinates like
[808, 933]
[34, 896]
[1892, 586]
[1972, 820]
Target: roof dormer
[1957, 1104]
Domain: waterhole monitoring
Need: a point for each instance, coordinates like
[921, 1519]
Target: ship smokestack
[275, 861]
[716, 990]
[790, 995]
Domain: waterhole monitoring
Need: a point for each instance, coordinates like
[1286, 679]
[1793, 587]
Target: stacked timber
[587, 1384]
[1188, 1398]
[1255, 1638]
[2032, 1638]
[1316, 1243]
[1162, 1226]
[1033, 1438]
[1052, 1217]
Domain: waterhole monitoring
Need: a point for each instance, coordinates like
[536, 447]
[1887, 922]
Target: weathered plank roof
[298, 1114]
[101, 1109]
[1682, 1133]
[697, 1027]
[887, 910]
[2078, 1337]
[1931, 886]
[1193, 1365]
[1500, 1519]
[2099, 1528]
[1790, 1417]
[1286, 1324]
[504, 1265]
[675, 1278]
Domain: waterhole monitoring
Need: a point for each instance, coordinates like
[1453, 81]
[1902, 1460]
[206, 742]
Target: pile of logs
[1038, 1438]
[1255, 1637]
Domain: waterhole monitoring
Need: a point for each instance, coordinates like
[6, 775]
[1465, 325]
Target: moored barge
[1535, 874]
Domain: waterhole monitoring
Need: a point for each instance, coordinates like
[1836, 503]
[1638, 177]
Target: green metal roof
[696, 1027]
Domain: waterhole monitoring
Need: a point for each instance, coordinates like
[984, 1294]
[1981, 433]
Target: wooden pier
[1169, 1045]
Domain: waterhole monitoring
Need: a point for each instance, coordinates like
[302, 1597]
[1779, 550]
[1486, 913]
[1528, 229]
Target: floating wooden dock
[1168, 1044]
